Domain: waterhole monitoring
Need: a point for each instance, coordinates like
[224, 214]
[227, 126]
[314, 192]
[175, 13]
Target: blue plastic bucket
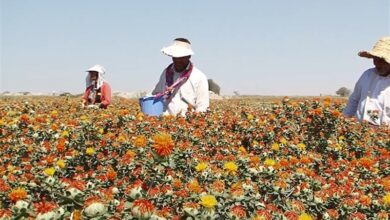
[152, 106]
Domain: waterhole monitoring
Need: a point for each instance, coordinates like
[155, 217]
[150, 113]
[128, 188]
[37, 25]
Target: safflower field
[287, 159]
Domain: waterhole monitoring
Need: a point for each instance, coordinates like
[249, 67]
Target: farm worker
[181, 83]
[370, 100]
[98, 91]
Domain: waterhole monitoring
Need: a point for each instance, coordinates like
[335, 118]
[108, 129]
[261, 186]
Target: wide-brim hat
[178, 49]
[381, 49]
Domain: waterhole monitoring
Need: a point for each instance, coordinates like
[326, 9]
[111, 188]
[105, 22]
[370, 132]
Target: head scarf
[100, 80]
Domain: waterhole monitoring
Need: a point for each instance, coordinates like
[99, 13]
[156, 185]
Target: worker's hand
[169, 89]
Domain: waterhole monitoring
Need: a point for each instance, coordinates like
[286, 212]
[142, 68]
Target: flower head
[61, 164]
[201, 166]
[269, 162]
[140, 141]
[49, 171]
[208, 201]
[17, 194]
[305, 216]
[230, 166]
[163, 144]
[142, 208]
[386, 199]
[90, 151]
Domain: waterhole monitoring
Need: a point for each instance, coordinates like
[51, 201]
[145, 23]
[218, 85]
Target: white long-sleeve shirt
[371, 94]
[194, 91]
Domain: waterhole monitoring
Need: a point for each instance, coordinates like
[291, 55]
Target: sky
[253, 47]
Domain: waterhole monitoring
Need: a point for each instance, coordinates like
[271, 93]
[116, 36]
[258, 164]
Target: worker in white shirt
[181, 83]
[370, 100]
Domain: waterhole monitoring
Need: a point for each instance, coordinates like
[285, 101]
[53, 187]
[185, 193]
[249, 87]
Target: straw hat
[178, 49]
[381, 50]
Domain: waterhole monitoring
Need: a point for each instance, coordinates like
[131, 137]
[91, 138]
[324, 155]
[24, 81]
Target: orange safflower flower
[238, 211]
[44, 207]
[111, 175]
[194, 186]
[140, 141]
[294, 160]
[76, 215]
[237, 190]
[4, 187]
[218, 186]
[191, 205]
[282, 184]
[333, 213]
[163, 144]
[336, 113]
[177, 184]
[366, 162]
[144, 206]
[317, 111]
[17, 194]
[305, 160]
[284, 163]
[365, 200]
[263, 215]
[291, 215]
[181, 193]
[254, 160]
[24, 118]
[61, 145]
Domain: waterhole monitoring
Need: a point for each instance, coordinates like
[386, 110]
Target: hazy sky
[300, 47]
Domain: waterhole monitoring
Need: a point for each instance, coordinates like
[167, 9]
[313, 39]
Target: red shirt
[105, 94]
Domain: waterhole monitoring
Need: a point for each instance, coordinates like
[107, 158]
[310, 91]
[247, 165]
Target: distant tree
[67, 94]
[236, 93]
[343, 92]
[214, 87]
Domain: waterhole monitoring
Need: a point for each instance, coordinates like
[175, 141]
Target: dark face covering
[382, 66]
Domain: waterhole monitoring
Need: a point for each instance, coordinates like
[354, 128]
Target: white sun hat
[178, 49]
[381, 49]
[97, 68]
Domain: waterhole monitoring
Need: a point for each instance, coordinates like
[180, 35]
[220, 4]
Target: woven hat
[381, 49]
[178, 49]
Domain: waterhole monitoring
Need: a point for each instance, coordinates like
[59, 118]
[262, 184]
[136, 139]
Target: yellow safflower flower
[242, 150]
[269, 162]
[230, 166]
[201, 166]
[301, 146]
[275, 147]
[65, 134]
[283, 141]
[140, 141]
[386, 199]
[61, 164]
[49, 171]
[250, 117]
[305, 216]
[90, 151]
[208, 201]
